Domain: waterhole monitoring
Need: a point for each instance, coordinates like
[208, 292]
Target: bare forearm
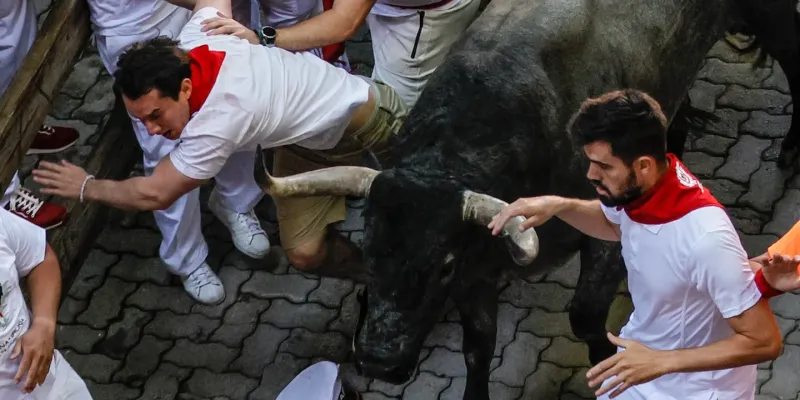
[130, 194]
[587, 217]
[44, 283]
[734, 351]
[332, 26]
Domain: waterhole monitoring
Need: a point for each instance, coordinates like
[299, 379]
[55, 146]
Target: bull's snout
[396, 374]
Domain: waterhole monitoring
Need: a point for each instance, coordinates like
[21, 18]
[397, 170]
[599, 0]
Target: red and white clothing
[245, 95]
[117, 25]
[687, 273]
[22, 248]
[411, 38]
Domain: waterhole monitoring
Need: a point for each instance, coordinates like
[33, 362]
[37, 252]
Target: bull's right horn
[333, 181]
[481, 208]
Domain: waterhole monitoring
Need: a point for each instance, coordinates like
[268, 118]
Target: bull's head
[413, 246]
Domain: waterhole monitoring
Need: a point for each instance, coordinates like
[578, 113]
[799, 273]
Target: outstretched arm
[332, 26]
[155, 192]
[586, 216]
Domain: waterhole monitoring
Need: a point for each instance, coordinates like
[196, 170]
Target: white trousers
[17, 33]
[183, 247]
[408, 48]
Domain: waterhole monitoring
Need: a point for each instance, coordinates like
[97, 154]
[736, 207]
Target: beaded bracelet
[83, 186]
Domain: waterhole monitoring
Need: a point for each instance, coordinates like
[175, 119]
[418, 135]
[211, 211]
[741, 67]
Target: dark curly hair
[629, 120]
[153, 64]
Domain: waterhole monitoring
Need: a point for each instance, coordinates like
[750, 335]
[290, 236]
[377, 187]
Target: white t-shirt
[127, 17]
[265, 96]
[22, 247]
[685, 278]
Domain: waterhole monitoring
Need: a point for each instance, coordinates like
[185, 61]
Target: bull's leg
[775, 23]
[478, 310]
[602, 270]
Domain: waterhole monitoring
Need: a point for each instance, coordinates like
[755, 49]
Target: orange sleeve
[789, 244]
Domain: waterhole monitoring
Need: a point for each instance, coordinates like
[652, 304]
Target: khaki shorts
[303, 219]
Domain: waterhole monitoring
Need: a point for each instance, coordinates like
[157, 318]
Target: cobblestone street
[131, 332]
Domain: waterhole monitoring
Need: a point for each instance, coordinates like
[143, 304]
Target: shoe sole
[54, 225]
[49, 151]
[252, 255]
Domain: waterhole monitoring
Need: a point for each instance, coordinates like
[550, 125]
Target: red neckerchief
[675, 194]
[205, 65]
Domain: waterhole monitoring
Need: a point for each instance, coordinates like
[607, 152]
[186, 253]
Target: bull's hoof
[600, 350]
[787, 158]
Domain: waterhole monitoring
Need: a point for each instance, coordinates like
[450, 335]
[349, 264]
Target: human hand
[36, 347]
[632, 366]
[62, 179]
[781, 271]
[536, 210]
[224, 25]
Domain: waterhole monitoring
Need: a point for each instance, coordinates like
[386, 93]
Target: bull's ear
[387, 191]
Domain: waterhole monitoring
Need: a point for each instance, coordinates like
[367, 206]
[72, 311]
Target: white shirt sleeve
[27, 241]
[612, 214]
[208, 140]
[719, 266]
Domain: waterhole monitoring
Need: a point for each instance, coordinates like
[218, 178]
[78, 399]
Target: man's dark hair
[630, 121]
[154, 64]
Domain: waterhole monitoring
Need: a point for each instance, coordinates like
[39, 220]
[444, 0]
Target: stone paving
[130, 331]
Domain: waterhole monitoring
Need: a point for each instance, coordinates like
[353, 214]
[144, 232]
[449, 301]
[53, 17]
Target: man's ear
[645, 165]
[186, 87]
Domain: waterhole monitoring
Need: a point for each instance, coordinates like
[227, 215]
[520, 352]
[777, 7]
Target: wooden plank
[28, 99]
[112, 157]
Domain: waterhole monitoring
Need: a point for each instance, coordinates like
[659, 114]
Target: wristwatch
[266, 35]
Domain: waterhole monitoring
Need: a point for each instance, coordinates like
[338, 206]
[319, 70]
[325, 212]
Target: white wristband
[83, 186]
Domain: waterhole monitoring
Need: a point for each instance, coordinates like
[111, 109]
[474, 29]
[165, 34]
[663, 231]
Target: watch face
[269, 32]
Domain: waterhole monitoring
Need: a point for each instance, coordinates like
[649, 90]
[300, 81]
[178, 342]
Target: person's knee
[307, 256]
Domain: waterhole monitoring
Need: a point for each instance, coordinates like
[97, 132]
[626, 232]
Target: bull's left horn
[481, 208]
[333, 181]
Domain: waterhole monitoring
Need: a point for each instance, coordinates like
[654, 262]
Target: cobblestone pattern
[130, 331]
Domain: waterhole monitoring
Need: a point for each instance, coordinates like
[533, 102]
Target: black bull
[492, 121]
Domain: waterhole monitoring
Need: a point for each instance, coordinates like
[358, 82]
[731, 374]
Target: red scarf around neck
[205, 65]
[676, 193]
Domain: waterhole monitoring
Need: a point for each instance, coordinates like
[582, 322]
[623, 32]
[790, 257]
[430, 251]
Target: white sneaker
[204, 285]
[245, 228]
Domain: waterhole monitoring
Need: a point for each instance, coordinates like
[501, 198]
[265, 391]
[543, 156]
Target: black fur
[492, 120]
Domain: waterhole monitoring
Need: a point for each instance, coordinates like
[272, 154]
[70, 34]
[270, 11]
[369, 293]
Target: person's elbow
[769, 345]
[346, 28]
[772, 348]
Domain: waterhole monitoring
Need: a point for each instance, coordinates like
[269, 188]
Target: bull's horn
[333, 181]
[481, 208]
